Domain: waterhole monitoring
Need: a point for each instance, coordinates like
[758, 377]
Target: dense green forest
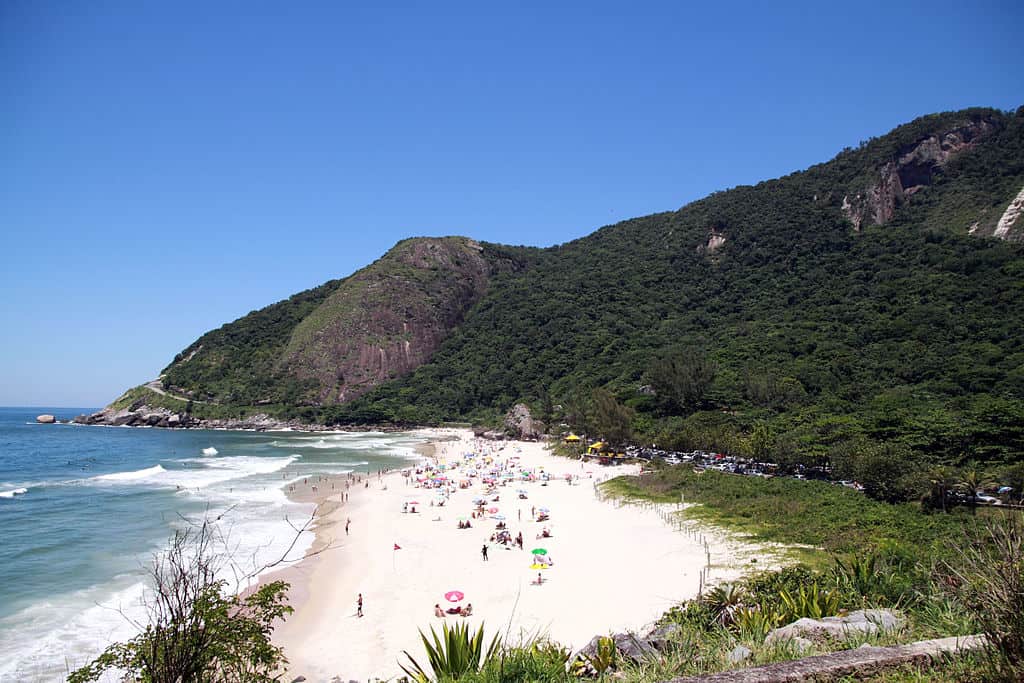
[907, 332]
[758, 320]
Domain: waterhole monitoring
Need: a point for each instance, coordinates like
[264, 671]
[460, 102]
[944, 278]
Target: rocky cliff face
[1010, 225]
[385, 322]
[911, 169]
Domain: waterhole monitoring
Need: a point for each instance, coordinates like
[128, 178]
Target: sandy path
[615, 568]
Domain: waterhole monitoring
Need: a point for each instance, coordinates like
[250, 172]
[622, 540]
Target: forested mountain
[874, 297]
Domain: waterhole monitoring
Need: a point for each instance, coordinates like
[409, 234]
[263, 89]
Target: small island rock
[46, 419]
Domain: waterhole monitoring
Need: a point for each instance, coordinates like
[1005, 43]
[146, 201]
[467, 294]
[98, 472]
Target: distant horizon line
[53, 407]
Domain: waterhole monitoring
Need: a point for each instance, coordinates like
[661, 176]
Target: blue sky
[168, 167]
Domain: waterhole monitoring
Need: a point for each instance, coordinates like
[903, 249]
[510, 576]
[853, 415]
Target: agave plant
[724, 600]
[452, 655]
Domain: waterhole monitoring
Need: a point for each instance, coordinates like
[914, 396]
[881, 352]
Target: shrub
[196, 630]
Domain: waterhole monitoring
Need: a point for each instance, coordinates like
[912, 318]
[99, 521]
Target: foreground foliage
[453, 654]
[197, 630]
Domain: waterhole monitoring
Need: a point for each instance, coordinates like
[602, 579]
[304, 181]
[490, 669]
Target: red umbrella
[454, 596]
[492, 510]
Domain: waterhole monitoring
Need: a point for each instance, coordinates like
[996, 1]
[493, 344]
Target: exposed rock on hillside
[912, 169]
[1009, 225]
[330, 344]
[384, 322]
[520, 423]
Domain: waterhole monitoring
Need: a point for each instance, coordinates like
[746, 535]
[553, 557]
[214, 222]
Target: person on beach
[438, 612]
[347, 522]
[359, 605]
[483, 551]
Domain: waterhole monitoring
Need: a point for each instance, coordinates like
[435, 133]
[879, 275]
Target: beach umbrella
[454, 596]
[492, 510]
[414, 502]
[543, 509]
[535, 565]
[500, 518]
[539, 551]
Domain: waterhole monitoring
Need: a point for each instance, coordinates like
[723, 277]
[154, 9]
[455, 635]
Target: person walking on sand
[359, 605]
[347, 522]
[483, 552]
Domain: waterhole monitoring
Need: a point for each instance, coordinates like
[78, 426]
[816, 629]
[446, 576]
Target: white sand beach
[614, 568]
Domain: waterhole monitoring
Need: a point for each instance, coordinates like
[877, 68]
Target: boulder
[520, 423]
[868, 621]
[740, 654]
[634, 648]
[627, 646]
[46, 419]
[663, 636]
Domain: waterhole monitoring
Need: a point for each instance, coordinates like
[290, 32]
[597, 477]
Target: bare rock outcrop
[1011, 219]
[869, 621]
[388, 319]
[46, 419]
[910, 170]
[142, 415]
[521, 424]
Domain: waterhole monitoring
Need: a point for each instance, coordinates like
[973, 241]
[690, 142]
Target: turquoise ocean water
[83, 509]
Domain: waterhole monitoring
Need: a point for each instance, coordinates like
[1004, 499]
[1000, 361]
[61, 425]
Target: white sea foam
[67, 631]
[206, 472]
[210, 451]
[135, 475]
[13, 492]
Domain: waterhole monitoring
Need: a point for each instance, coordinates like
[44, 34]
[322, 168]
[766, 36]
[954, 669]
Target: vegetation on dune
[834, 518]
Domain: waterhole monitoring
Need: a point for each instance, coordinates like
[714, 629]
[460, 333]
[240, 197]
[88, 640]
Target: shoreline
[403, 564]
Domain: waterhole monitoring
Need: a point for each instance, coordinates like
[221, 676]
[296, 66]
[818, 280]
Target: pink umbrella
[454, 596]
[492, 510]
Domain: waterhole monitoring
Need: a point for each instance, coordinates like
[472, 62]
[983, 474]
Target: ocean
[83, 509]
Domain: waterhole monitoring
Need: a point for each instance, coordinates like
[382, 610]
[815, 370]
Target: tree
[942, 480]
[197, 630]
[971, 481]
[611, 419]
[887, 471]
[761, 443]
[681, 381]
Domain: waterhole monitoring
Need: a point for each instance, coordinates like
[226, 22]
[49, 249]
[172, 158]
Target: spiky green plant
[809, 601]
[452, 655]
[605, 655]
[754, 622]
[723, 600]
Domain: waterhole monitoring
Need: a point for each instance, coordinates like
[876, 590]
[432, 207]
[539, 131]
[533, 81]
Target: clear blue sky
[166, 167]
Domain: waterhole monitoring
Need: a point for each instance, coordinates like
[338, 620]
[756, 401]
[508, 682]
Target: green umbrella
[539, 551]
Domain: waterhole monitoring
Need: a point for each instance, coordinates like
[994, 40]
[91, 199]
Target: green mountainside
[864, 300]
[336, 341]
